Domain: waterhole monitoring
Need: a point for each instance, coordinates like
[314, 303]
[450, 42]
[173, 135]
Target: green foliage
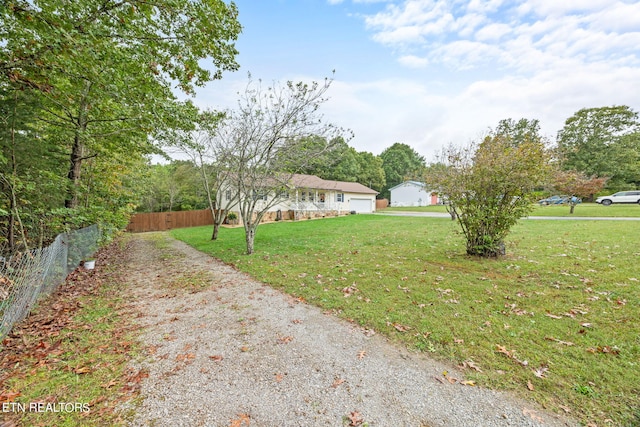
[338, 161]
[400, 162]
[84, 88]
[176, 186]
[603, 142]
[371, 172]
[518, 132]
[489, 188]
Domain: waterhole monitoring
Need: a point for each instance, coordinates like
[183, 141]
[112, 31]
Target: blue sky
[432, 72]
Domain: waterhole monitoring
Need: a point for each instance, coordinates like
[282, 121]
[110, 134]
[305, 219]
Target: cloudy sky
[432, 72]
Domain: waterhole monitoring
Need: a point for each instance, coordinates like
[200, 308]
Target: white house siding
[410, 193]
[305, 202]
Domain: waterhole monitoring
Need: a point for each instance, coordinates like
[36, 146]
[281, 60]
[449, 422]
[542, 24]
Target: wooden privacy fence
[381, 203]
[160, 221]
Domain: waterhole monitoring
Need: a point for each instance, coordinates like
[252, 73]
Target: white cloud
[549, 30]
[492, 32]
[413, 61]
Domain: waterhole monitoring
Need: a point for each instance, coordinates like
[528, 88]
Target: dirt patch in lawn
[224, 349]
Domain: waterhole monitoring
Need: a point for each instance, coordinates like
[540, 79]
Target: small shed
[412, 193]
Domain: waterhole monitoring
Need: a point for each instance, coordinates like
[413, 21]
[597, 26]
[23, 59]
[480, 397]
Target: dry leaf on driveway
[355, 419]
[337, 382]
[285, 340]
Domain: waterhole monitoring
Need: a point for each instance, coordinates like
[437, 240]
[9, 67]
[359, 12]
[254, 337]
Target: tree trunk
[250, 232]
[11, 237]
[573, 206]
[216, 227]
[77, 152]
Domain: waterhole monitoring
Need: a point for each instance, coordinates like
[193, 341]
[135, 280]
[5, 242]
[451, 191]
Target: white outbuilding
[412, 193]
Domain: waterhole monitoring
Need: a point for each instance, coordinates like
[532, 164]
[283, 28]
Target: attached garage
[361, 205]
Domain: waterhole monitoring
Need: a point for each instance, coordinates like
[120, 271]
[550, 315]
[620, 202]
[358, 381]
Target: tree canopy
[401, 162]
[603, 142]
[91, 82]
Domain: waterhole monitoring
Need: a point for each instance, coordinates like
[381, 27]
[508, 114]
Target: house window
[339, 197]
[259, 196]
[321, 197]
[284, 194]
[311, 196]
[304, 196]
[228, 194]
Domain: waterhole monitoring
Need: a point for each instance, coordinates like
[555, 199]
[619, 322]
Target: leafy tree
[576, 184]
[172, 187]
[400, 162]
[269, 131]
[371, 172]
[488, 186]
[100, 77]
[602, 142]
[340, 162]
[518, 131]
[333, 160]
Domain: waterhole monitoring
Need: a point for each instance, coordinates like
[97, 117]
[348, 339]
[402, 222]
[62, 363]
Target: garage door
[360, 205]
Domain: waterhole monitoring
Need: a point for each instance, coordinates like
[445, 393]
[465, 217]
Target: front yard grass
[556, 320]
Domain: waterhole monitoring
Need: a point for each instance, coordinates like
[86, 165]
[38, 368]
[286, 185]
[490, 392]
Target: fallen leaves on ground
[241, 421]
[567, 343]
[185, 357]
[337, 382]
[541, 372]
[285, 340]
[471, 365]
[399, 327]
[355, 419]
[604, 350]
[511, 354]
[452, 380]
[36, 344]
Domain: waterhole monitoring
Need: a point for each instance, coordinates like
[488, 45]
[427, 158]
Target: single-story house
[412, 193]
[311, 196]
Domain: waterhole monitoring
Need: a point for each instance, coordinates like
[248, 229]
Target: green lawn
[556, 320]
[581, 210]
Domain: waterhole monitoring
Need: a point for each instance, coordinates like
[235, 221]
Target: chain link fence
[26, 276]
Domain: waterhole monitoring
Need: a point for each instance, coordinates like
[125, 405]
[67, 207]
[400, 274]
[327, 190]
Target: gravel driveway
[238, 353]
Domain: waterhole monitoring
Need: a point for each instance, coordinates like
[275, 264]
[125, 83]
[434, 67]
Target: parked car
[554, 200]
[620, 197]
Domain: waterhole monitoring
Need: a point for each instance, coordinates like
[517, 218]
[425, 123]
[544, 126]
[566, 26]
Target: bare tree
[267, 135]
[208, 149]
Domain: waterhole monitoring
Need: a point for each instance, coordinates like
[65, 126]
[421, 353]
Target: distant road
[560, 218]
